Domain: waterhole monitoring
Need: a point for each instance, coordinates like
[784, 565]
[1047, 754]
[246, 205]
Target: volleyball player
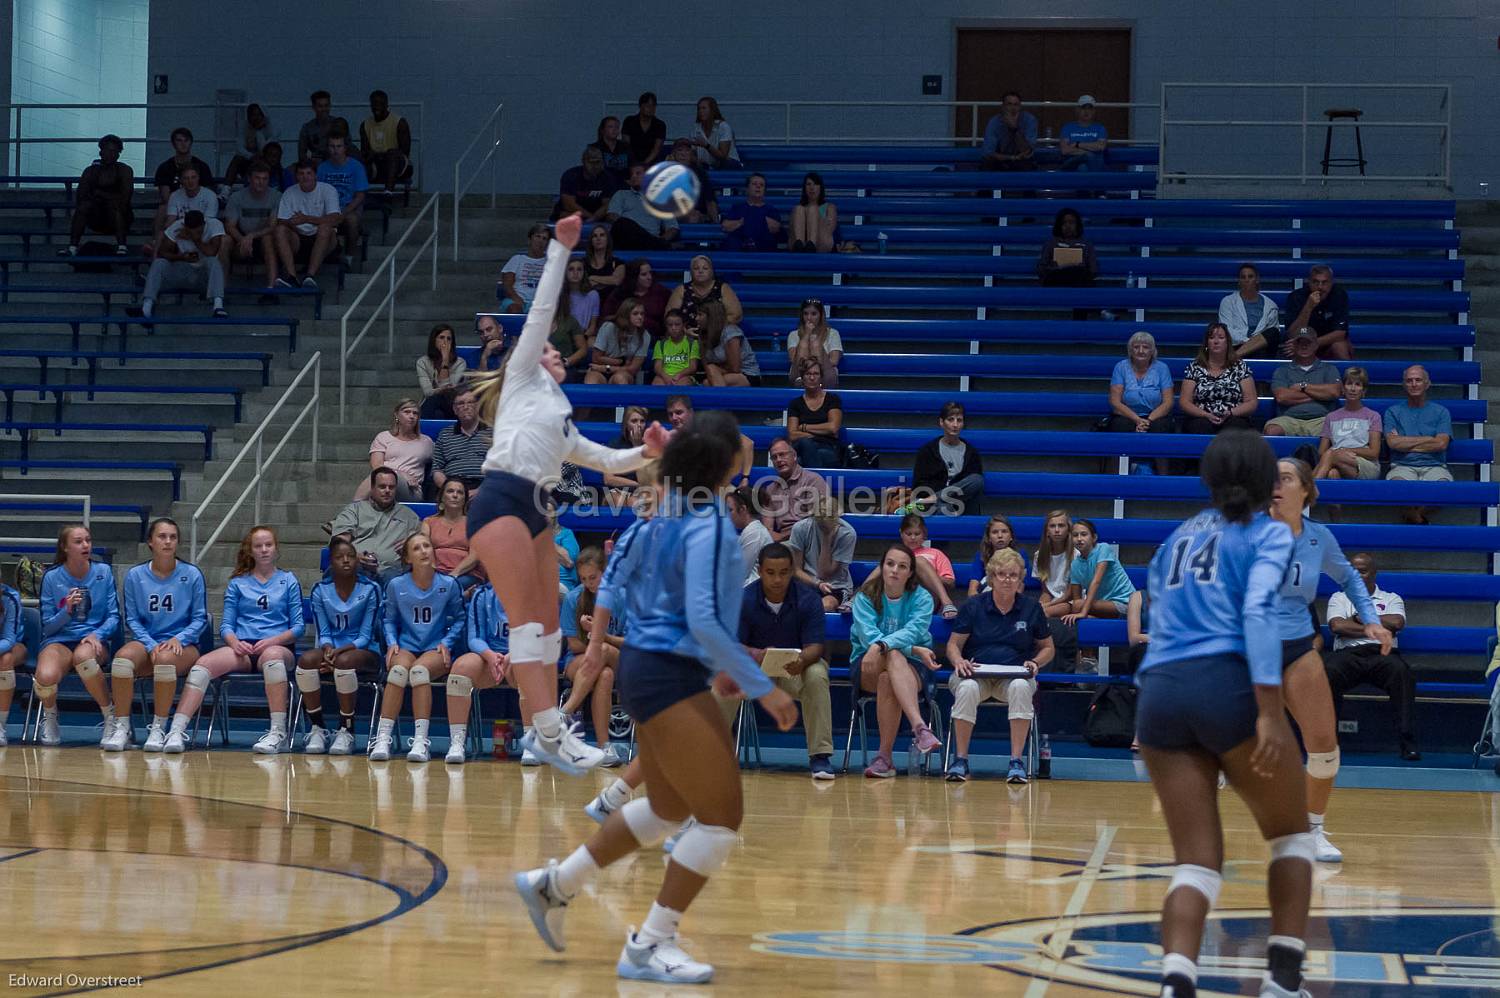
[12, 651]
[508, 527]
[1314, 552]
[483, 667]
[346, 608]
[1211, 700]
[423, 618]
[166, 619]
[80, 617]
[683, 574]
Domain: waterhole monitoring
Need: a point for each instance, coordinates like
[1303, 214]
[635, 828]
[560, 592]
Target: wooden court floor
[224, 874]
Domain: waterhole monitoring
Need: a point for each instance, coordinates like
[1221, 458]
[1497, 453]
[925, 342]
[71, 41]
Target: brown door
[1058, 64]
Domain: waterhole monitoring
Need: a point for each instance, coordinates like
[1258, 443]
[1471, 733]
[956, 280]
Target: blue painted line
[20, 855]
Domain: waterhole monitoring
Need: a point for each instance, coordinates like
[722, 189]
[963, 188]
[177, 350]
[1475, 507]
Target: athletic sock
[386, 726]
[1284, 961]
[1315, 820]
[616, 795]
[548, 724]
[575, 871]
[1179, 976]
[457, 733]
[659, 926]
[160, 720]
[315, 716]
[421, 725]
[278, 720]
[346, 722]
[179, 723]
[108, 710]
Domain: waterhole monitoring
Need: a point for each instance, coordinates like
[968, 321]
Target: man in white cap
[1084, 140]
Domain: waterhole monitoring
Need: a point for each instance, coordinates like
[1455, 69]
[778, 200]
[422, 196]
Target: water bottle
[80, 611]
[882, 237]
[1044, 760]
[913, 758]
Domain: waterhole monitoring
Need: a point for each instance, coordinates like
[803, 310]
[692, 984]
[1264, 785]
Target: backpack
[1111, 717]
[29, 578]
[858, 456]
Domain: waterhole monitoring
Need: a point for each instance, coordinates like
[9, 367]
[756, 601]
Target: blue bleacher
[929, 180]
[92, 358]
[234, 393]
[1095, 210]
[765, 156]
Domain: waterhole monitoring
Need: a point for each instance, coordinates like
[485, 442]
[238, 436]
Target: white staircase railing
[262, 462]
[462, 188]
[388, 303]
[85, 503]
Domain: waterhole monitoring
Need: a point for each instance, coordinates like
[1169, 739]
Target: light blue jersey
[489, 627]
[102, 617]
[685, 579]
[1314, 553]
[619, 621]
[347, 623]
[418, 620]
[11, 622]
[254, 609]
[158, 609]
[1213, 588]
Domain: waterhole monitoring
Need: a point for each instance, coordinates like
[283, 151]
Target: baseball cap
[1087, 100]
[1305, 333]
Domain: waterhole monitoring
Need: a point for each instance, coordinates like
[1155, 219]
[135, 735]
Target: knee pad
[164, 673]
[122, 668]
[345, 681]
[88, 669]
[7, 680]
[308, 680]
[528, 644]
[42, 690]
[1198, 878]
[460, 686]
[646, 825]
[552, 647]
[418, 675]
[708, 847]
[273, 671]
[198, 678]
[396, 676]
[1323, 765]
[1300, 845]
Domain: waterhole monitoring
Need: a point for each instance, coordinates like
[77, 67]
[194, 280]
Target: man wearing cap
[104, 193]
[1084, 140]
[187, 259]
[1306, 389]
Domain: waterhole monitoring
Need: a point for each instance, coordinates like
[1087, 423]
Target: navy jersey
[254, 609]
[102, 617]
[489, 627]
[347, 623]
[158, 609]
[1314, 553]
[417, 619]
[11, 623]
[1213, 587]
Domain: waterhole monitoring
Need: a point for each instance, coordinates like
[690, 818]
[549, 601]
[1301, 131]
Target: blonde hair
[1005, 558]
[1041, 565]
[63, 536]
[487, 386]
[396, 414]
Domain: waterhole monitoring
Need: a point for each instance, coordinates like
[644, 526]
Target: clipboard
[776, 660]
[1067, 256]
[1001, 671]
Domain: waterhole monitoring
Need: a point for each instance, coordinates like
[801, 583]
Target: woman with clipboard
[1067, 259]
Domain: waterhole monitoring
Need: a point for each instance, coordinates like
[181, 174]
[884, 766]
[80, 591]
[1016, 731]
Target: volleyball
[670, 190]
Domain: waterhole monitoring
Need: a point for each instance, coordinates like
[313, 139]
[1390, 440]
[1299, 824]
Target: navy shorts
[1205, 702]
[651, 681]
[504, 494]
[1295, 649]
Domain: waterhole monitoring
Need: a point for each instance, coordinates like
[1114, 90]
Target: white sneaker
[51, 733]
[176, 743]
[664, 962]
[116, 735]
[317, 742]
[156, 738]
[380, 748]
[1270, 989]
[1326, 852]
[421, 750]
[544, 903]
[528, 758]
[598, 809]
[3, 740]
[455, 756]
[343, 742]
[568, 753]
[272, 742]
[612, 758]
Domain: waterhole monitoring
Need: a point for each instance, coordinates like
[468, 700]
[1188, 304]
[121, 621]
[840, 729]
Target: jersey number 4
[159, 602]
[1203, 563]
[263, 602]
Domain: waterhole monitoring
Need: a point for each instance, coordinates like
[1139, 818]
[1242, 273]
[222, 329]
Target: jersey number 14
[1203, 563]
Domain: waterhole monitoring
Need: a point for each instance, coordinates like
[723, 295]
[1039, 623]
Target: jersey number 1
[1204, 563]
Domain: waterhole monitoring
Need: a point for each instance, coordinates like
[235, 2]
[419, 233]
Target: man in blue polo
[1418, 433]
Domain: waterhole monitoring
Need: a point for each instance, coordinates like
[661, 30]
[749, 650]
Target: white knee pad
[1198, 878]
[198, 678]
[460, 686]
[42, 690]
[1300, 845]
[1323, 765]
[164, 673]
[88, 669]
[419, 676]
[646, 825]
[273, 671]
[708, 847]
[552, 647]
[528, 644]
[122, 668]
[396, 676]
[308, 680]
[7, 680]
[345, 681]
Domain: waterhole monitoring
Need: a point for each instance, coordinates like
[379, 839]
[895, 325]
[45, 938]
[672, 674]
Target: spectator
[1009, 137]
[789, 496]
[1137, 632]
[704, 287]
[378, 526]
[1324, 308]
[441, 372]
[753, 534]
[675, 359]
[998, 535]
[934, 570]
[1007, 628]
[632, 226]
[565, 546]
[1305, 390]
[1052, 565]
[645, 132]
[448, 529]
[1140, 393]
[1218, 391]
[713, 138]
[576, 621]
[385, 143]
[345, 175]
[639, 282]
[312, 138]
[568, 334]
[752, 225]
[728, 358]
[309, 215]
[632, 433]
[890, 641]
[104, 196]
[815, 220]
[1418, 434]
[190, 196]
[1356, 659]
[621, 348]
[585, 189]
[815, 420]
[405, 449]
[523, 272]
[1067, 259]
[581, 300]
[779, 611]
[1084, 142]
[615, 150]
[250, 223]
[1098, 585]
[492, 342]
[461, 448]
[1253, 322]
[1350, 444]
[187, 259]
[950, 467]
[255, 135]
[707, 207]
[281, 177]
[680, 412]
[168, 176]
[814, 337]
[599, 263]
[822, 547]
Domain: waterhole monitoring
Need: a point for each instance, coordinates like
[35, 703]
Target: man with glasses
[460, 449]
[1010, 137]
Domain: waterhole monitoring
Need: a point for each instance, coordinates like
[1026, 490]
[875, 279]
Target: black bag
[857, 456]
[1111, 719]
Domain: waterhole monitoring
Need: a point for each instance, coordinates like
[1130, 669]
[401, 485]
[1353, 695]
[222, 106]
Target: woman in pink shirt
[448, 529]
[405, 449]
[934, 570]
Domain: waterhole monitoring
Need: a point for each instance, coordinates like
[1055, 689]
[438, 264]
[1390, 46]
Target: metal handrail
[87, 502]
[460, 189]
[257, 439]
[389, 266]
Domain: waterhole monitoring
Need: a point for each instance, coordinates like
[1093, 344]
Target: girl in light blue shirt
[346, 609]
[12, 651]
[80, 624]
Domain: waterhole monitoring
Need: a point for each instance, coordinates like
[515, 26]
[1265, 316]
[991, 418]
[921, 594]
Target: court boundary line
[1057, 942]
